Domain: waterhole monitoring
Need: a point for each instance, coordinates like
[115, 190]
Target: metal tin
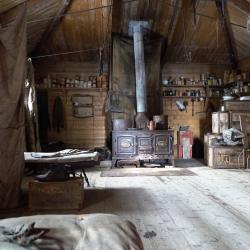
[121, 124]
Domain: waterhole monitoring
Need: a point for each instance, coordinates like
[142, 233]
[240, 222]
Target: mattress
[64, 156]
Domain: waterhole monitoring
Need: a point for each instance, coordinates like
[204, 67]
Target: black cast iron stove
[140, 146]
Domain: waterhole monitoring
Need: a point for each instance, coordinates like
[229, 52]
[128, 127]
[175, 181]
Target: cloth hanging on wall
[31, 113]
[43, 116]
[58, 116]
[122, 101]
[12, 119]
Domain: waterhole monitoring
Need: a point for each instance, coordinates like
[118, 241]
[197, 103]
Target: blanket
[77, 232]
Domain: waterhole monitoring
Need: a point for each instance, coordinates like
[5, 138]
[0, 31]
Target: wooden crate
[66, 195]
[237, 105]
[220, 122]
[235, 119]
[225, 157]
[208, 144]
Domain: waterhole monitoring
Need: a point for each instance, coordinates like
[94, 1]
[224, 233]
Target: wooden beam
[242, 5]
[53, 24]
[173, 21]
[170, 32]
[227, 34]
[117, 16]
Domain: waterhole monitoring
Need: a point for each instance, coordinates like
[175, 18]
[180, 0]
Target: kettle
[151, 125]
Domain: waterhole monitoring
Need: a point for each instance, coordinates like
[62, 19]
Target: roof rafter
[171, 29]
[243, 5]
[53, 24]
[227, 33]
[117, 15]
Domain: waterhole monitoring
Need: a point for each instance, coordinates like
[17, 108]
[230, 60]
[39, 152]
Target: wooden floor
[209, 210]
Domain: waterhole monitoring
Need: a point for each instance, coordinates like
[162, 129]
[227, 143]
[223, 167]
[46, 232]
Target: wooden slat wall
[198, 123]
[78, 132]
[244, 65]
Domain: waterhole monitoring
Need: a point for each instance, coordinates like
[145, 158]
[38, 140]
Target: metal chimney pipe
[136, 29]
[141, 94]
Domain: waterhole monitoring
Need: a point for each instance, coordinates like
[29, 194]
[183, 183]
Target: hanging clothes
[43, 116]
[57, 115]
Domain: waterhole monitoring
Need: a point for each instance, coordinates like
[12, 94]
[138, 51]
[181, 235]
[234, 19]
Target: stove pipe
[136, 29]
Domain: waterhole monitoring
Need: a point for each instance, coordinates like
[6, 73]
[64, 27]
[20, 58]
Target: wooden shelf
[72, 89]
[192, 97]
[184, 86]
[231, 84]
[215, 86]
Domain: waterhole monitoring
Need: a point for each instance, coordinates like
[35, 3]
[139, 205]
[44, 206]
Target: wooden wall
[244, 65]
[200, 122]
[92, 132]
[77, 132]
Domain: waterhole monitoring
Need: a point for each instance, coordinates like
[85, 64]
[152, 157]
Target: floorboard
[208, 210]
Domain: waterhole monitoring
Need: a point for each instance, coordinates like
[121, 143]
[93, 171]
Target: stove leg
[173, 162]
[114, 164]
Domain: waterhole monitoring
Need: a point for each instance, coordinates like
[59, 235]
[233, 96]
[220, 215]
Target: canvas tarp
[122, 94]
[12, 119]
[31, 113]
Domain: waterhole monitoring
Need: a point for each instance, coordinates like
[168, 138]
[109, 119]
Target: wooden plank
[242, 5]
[206, 211]
[53, 24]
[227, 33]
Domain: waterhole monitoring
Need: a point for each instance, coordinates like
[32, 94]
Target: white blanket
[79, 232]
[41, 157]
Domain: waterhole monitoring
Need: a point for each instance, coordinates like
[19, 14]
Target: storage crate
[220, 122]
[237, 105]
[235, 119]
[208, 144]
[225, 157]
[67, 195]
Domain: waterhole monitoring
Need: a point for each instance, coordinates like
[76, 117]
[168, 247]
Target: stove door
[145, 145]
[163, 144]
[126, 145]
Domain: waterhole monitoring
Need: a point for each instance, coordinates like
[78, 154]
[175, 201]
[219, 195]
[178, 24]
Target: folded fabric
[78, 232]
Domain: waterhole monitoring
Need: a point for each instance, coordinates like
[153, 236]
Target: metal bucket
[161, 121]
[121, 124]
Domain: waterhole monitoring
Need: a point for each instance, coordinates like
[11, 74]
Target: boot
[56, 173]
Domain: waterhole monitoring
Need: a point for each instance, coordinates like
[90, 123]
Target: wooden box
[235, 119]
[66, 195]
[208, 138]
[237, 105]
[225, 157]
[220, 122]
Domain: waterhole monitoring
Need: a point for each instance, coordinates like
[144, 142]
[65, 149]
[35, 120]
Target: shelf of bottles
[210, 86]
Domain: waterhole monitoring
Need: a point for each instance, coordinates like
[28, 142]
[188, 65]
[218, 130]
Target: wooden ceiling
[61, 26]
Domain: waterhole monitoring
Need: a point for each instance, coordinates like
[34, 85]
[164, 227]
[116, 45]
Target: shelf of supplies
[215, 86]
[72, 89]
[184, 86]
[192, 97]
[231, 84]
